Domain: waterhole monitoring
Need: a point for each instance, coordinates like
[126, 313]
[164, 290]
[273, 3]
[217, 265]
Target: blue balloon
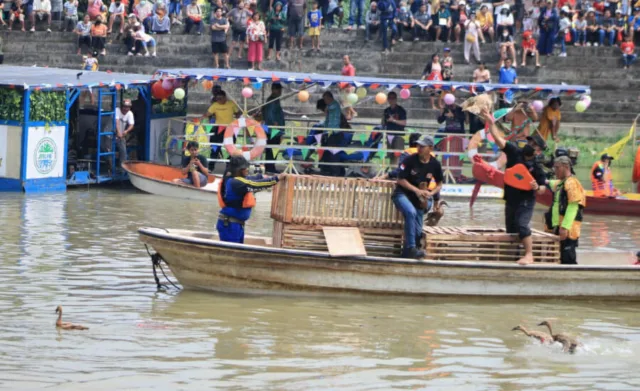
[257, 85]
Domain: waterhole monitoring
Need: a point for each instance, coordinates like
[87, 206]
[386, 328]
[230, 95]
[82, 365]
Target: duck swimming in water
[539, 335]
[569, 343]
[66, 325]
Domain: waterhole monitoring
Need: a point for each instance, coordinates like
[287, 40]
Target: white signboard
[46, 154]
[3, 150]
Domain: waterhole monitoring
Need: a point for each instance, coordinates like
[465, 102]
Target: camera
[571, 152]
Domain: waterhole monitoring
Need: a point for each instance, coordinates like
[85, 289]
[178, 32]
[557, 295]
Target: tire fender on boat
[235, 127]
[475, 142]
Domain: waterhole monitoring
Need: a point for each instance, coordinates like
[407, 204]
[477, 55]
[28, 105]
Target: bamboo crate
[486, 244]
[382, 242]
[316, 200]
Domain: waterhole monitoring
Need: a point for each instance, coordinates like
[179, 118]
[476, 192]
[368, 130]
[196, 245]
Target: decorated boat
[159, 179]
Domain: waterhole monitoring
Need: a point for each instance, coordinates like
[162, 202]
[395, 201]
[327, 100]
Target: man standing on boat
[235, 197]
[412, 200]
[520, 203]
[565, 216]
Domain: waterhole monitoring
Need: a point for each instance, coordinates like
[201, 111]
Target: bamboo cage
[344, 202]
[486, 244]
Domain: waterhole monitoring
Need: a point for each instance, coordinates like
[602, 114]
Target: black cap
[606, 156]
[537, 138]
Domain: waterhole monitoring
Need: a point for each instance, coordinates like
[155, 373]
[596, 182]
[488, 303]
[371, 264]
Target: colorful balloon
[167, 84]
[157, 91]
[247, 92]
[537, 105]
[449, 99]
[361, 92]
[381, 98]
[581, 106]
[352, 98]
[405, 93]
[179, 94]
[303, 96]
[207, 84]
[257, 85]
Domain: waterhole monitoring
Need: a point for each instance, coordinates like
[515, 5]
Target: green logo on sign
[45, 156]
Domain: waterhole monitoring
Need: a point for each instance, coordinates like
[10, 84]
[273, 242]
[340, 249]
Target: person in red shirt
[628, 49]
[348, 70]
[529, 46]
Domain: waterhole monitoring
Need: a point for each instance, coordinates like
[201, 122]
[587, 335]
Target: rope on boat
[156, 262]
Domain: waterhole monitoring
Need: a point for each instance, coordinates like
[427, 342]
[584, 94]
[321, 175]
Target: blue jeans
[356, 13]
[413, 219]
[384, 25]
[629, 59]
[152, 43]
[545, 42]
[601, 34]
[611, 34]
[580, 37]
[563, 45]
[232, 232]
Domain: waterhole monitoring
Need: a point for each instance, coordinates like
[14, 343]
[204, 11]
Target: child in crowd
[447, 65]
[506, 45]
[145, 40]
[564, 32]
[90, 61]
[628, 49]
[529, 48]
[315, 22]
[335, 13]
[581, 30]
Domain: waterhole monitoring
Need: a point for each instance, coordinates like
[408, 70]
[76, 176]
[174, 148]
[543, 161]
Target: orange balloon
[381, 98]
[207, 84]
[303, 96]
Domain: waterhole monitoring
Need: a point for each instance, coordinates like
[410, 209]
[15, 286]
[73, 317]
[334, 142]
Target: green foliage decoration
[48, 106]
[11, 104]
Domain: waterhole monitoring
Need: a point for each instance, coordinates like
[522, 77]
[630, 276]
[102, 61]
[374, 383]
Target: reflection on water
[80, 250]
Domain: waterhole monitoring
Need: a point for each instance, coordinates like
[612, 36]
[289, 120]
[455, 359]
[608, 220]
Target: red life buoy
[234, 128]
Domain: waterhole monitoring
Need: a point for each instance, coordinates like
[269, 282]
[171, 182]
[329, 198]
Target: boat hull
[157, 179]
[199, 261]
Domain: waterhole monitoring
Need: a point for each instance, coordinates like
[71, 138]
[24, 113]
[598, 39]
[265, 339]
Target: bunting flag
[305, 153]
[221, 129]
[300, 139]
[390, 138]
[381, 154]
[362, 137]
[365, 155]
[275, 151]
[318, 138]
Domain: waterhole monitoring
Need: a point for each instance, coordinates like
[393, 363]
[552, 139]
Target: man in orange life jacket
[235, 196]
[520, 203]
[601, 180]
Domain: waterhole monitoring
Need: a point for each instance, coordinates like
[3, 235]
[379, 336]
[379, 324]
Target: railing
[451, 157]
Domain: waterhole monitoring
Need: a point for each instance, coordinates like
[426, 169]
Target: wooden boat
[158, 179]
[200, 261]
[625, 205]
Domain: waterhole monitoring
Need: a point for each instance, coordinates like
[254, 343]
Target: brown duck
[539, 335]
[66, 325]
[569, 343]
[433, 217]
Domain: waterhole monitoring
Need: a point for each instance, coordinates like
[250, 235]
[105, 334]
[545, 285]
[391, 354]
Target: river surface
[80, 250]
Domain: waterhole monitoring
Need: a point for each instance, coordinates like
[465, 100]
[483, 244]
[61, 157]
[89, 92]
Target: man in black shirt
[520, 203]
[194, 167]
[410, 199]
[394, 119]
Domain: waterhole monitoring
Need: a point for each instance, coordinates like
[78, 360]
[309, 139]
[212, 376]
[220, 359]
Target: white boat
[200, 261]
[158, 179]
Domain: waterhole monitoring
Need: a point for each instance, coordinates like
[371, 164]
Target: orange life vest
[249, 200]
[604, 187]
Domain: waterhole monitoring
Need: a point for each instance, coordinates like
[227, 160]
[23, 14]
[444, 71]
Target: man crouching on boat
[235, 196]
[520, 203]
[195, 167]
[410, 199]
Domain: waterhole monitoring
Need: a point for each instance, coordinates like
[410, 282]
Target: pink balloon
[167, 84]
[537, 105]
[247, 92]
[449, 99]
[177, 83]
[405, 93]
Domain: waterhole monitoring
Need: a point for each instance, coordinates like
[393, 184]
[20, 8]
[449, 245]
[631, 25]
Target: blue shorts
[174, 8]
[203, 180]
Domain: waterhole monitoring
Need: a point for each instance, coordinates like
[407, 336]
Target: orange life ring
[636, 167]
[235, 127]
[474, 143]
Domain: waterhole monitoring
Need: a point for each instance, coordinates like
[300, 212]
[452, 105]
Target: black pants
[518, 217]
[130, 43]
[84, 40]
[97, 43]
[271, 167]
[216, 150]
[275, 39]
[568, 251]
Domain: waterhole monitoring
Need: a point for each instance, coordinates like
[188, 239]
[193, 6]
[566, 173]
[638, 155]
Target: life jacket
[248, 201]
[561, 197]
[604, 187]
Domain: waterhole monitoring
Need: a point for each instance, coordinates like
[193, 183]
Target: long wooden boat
[158, 179]
[200, 261]
[625, 205]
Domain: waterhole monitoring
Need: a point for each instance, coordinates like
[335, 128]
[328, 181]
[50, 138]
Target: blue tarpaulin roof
[52, 78]
[358, 81]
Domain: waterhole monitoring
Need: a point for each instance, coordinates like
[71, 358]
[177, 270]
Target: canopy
[40, 78]
[357, 81]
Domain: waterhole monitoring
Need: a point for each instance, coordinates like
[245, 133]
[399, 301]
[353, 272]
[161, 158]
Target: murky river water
[80, 250]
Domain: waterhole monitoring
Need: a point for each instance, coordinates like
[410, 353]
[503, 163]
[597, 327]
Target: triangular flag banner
[362, 137]
[246, 80]
[380, 154]
[358, 84]
[397, 154]
[236, 130]
[289, 152]
[334, 151]
[320, 153]
[300, 139]
[365, 155]
[274, 78]
[273, 133]
[305, 153]
[275, 151]
[221, 129]
[374, 86]
[390, 138]
[215, 148]
[391, 87]
[318, 138]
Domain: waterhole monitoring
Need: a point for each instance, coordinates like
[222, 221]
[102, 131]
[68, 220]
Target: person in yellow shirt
[224, 111]
[486, 21]
[550, 119]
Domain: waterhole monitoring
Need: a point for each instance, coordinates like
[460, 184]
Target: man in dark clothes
[418, 168]
[520, 203]
[194, 167]
[453, 118]
[394, 119]
[273, 117]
